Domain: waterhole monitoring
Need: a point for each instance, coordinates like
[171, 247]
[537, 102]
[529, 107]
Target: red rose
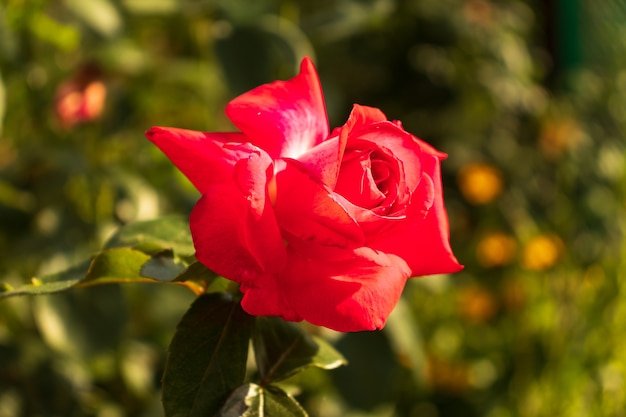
[81, 99]
[325, 227]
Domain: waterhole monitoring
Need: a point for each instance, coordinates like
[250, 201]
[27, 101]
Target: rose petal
[356, 182]
[308, 210]
[344, 290]
[285, 118]
[233, 225]
[323, 161]
[423, 242]
[204, 158]
[263, 296]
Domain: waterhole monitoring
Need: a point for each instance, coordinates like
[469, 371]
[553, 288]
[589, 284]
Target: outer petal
[205, 158]
[233, 225]
[285, 118]
[423, 242]
[264, 296]
[344, 290]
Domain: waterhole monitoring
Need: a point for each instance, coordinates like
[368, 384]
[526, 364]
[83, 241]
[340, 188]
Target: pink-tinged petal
[233, 225]
[423, 242]
[344, 290]
[323, 161]
[308, 210]
[204, 158]
[285, 118]
[263, 296]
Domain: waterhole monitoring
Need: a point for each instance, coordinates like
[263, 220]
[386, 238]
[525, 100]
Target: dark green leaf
[373, 374]
[207, 356]
[283, 349]
[252, 400]
[197, 272]
[153, 236]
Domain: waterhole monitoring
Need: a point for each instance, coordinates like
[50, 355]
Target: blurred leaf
[406, 340]
[272, 46]
[101, 15]
[54, 283]
[207, 356]
[153, 236]
[370, 379]
[63, 36]
[152, 6]
[82, 323]
[252, 400]
[3, 99]
[283, 349]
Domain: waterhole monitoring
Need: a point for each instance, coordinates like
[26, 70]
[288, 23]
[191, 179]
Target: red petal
[233, 225]
[263, 296]
[285, 118]
[422, 242]
[324, 160]
[205, 158]
[344, 290]
[307, 210]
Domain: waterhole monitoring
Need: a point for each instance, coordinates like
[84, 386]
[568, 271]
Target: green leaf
[117, 265]
[207, 357]
[283, 349]
[54, 283]
[151, 251]
[154, 236]
[374, 373]
[252, 400]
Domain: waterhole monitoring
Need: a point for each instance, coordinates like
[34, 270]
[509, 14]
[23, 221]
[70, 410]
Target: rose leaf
[207, 356]
[283, 349]
[253, 400]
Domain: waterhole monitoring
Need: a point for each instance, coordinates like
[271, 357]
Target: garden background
[528, 98]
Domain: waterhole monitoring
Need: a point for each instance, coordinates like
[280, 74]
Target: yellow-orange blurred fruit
[496, 249]
[476, 304]
[480, 183]
[542, 252]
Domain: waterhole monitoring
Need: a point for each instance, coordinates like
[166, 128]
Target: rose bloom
[317, 225]
[80, 99]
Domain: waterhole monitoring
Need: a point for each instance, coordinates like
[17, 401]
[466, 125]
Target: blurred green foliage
[527, 97]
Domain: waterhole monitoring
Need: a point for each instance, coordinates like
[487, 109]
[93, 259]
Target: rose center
[366, 178]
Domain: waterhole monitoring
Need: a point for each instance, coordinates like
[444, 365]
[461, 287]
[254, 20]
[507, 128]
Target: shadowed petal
[233, 225]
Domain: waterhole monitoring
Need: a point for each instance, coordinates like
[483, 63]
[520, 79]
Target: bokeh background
[528, 98]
